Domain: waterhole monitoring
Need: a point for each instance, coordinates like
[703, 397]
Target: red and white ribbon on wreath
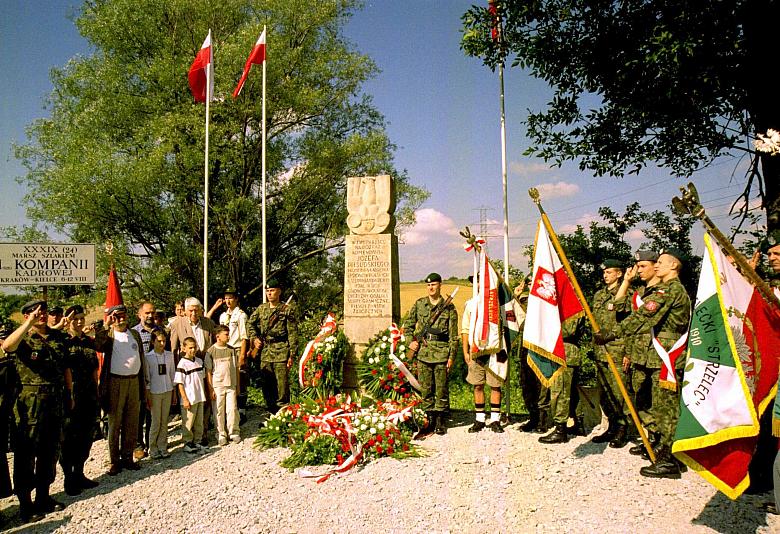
[395, 337]
[329, 327]
[399, 416]
[334, 423]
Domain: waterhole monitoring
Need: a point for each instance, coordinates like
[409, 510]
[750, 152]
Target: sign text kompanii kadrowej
[51, 264]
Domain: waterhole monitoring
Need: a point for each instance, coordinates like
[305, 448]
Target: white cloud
[429, 223]
[558, 189]
[530, 168]
[583, 221]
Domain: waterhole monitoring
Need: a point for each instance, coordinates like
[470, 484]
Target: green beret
[611, 263]
[772, 239]
[646, 255]
[56, 310]
[675, 253]
[121, 308]
[30, 306]
[230, 291]
[433, 277]
[273, 283]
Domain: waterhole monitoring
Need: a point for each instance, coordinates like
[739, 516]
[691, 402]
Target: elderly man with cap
[122, 386]
[40, 354]
[436, 351]
[273, 329]
[82, 420]
[665, 313]
[607, 316]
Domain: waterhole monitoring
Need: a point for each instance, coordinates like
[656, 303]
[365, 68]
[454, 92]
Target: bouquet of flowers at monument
[384, 371]
[321, 367]
[342, 433]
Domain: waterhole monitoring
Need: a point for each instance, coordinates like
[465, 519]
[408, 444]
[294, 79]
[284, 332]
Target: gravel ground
[467, 483]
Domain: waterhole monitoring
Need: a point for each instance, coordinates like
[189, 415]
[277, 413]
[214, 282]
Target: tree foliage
[636, 83]
[121, 157]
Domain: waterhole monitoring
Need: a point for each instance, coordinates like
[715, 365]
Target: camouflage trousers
[536, 396]
[433, 386]
[611, 399]
[37, 437]
[275, 384]
[665, 409]
[641, 392]
[563, 397]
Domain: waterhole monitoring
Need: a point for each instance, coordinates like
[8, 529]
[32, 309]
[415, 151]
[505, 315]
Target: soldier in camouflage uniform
[9, 389]
[435, 351]
[666, 309]
[563, 389]
[81, 422]
[607, 317]
[273, 330]
[40, 355]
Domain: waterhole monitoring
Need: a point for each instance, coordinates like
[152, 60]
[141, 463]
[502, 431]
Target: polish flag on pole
[201, 74]
[256, 57]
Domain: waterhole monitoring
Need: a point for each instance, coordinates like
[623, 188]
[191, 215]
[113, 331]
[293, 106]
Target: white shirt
[125, 359]
[155, 382]
[198, 331]
[235, 320]
[191, 374]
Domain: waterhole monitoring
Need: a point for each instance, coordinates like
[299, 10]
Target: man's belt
[277, 339]
[40, 388]
[123, 377]
[430, 336]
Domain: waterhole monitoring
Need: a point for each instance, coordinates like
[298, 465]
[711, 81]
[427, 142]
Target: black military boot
[83, 481]
[545, 422]
[607, 435]
[6, 489]
[72, 485]
[637, 450]
[579, 428]
[27, 511]
[532, 423]
[44, 504]
[664, 467]
[559, 435]
[620, 439]
[440, 427]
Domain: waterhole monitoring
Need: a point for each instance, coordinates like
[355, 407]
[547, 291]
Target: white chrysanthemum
[403, 337]
[402, 348]
[401, 356]
[380, 425]
[384, 338]
[371, 361]
[363, 427]
[383, 345]
[372, 430]
[376, 350]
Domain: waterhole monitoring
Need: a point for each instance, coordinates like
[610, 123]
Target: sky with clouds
[442, 110]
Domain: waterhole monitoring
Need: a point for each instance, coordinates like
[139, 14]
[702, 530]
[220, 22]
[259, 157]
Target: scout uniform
[441, 343]
[277, 328]
[607, 317]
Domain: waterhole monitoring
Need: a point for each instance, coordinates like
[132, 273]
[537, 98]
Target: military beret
[675, 253]
[611, 263]
[433, 277]
[771, 240]
[56, 310]
[231, 291]
[273, 283]
[30, 306]
[646, 255]
[75, 309]
[118, 308]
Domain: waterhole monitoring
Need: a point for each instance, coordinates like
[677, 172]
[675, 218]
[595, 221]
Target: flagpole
[534, 194]
[265, 257]
[209, 70]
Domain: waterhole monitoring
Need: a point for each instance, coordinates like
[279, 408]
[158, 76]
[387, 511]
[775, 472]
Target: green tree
[121, 157]
[637, 83]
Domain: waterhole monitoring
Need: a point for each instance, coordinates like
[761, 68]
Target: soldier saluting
[273, 329]
[435, 350]
[41, 354]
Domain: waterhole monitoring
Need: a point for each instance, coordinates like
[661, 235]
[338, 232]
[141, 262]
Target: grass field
[411, 291]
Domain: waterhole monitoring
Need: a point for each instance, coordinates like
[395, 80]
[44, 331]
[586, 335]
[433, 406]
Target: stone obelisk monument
[371, 280]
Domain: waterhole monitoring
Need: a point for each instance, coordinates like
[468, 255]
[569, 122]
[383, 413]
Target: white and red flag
[551, 301]
[256, 57]
[201, 74]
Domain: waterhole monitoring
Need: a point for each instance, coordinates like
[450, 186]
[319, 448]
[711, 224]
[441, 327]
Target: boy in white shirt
[222, 376]
[160, 371]
[190, 376]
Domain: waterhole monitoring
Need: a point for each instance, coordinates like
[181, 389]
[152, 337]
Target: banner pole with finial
[534, 194]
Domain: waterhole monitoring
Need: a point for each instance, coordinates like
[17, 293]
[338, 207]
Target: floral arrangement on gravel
[383, 373]
[322, 374]
[340, 432]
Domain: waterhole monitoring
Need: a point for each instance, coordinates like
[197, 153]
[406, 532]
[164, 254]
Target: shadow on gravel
[179, 459]
[460, 418]
[589, 448]
[732, 517]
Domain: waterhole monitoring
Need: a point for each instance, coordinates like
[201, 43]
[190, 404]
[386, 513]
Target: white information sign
[47, 264]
